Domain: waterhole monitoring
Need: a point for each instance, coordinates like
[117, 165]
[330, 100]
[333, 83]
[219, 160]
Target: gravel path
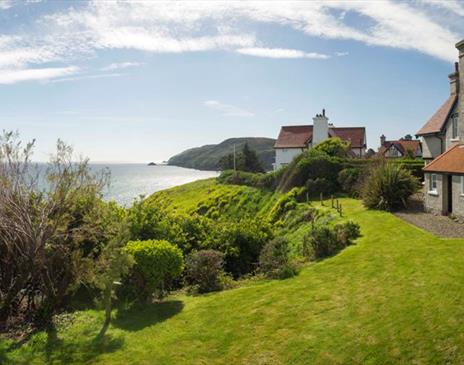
[439, 225]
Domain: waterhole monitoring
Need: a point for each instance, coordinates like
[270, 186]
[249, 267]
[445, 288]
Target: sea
[130, 180]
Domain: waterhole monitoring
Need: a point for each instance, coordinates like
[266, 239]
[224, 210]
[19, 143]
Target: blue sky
[141, 81]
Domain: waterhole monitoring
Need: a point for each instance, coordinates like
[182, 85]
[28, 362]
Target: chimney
[320, 128]
[460, 87]
[454, 80]
[382, 140]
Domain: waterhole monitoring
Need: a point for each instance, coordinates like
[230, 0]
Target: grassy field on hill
[396, 297]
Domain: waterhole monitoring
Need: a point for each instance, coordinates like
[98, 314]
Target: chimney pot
[382, 139]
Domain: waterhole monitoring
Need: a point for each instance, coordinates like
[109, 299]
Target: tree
[51, 229]
[334, 147]
[246, 160]
[250, 161]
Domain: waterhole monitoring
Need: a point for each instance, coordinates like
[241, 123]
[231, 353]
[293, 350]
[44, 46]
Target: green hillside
[396, 297]
[208, 156]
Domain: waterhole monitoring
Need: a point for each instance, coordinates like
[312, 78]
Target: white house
[295, 139]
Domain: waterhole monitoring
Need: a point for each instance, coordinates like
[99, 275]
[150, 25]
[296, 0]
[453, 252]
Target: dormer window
[454, 126]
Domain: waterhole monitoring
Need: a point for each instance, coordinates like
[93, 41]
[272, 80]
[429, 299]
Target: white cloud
[453, 6]
[11, 76]
[195, 26]
[5, 4]
[280, 53]
[120, 65]
[86, 77]
[227, 109]
[341, 54]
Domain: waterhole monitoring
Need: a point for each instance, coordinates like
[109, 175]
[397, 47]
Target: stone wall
[433, 201]
[458, 198]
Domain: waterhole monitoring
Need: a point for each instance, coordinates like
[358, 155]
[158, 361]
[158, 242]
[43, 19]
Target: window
[454, 125]
[462, 185]
[433, 182]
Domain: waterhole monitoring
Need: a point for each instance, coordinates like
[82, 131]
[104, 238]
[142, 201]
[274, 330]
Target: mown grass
[396, 297]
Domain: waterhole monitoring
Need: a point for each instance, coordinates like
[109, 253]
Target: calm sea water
[128, 181]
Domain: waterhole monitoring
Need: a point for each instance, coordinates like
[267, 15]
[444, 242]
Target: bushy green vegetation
[205, 271]
[393, 298]
[246, 160]
[157, 264]
[274, 260]
[388, 186]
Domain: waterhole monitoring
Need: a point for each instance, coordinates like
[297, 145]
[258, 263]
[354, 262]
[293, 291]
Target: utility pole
[234, 158]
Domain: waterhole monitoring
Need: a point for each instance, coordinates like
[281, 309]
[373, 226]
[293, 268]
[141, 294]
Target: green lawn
[397, 296]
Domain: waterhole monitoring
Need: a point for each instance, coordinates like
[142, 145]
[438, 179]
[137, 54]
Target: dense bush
[388, 187]
[327, 240]
[312, 164]
[157, 264]
[241, 242]
[320, 185]
[204, 270]
[349, 180]
[52, 230]
[257, 180]
[334, 147]
[274, 261]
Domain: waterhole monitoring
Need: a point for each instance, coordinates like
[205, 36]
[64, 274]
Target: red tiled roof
[402, 145]
[298, 136]
[436, 123]
[451, 161]
[355, 135]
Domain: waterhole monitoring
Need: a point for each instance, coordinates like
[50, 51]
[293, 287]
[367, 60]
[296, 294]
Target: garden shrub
[286, 203]
[318, 186]
[349, 180]
[157, 264]
[258, 180]
[388, 187]
[334, 147]
[326, 240]
[204, 270]
[241, 242]
[312, 164]
[274, 261]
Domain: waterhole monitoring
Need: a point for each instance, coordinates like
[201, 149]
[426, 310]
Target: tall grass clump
[388, 187]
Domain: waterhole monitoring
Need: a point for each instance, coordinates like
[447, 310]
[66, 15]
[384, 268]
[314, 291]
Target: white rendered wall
[285, 155]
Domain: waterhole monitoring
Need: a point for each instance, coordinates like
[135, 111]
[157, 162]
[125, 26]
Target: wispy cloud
[13, 76]
[341, 54]
[228, 110]
[121, 65]
[5, 4]
[86, 77]
[281, 53]
[67, 36]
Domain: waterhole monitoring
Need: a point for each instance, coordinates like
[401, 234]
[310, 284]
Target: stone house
[295, 139]
[443, 149]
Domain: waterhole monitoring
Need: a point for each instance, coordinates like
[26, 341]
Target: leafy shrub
[258, 180]
[327, 240]
[274, 261]
[286, 202]
[388, 187]
[204, 270]
[312, 164]
[241, 242]
[349, 180]
[318, 186]
[157, 263]
[334, 147]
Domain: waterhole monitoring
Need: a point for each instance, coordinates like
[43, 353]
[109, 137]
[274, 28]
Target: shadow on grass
[139, 317]
[58, 351]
